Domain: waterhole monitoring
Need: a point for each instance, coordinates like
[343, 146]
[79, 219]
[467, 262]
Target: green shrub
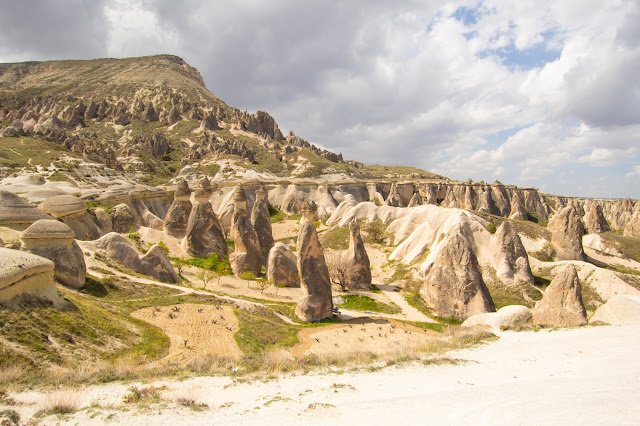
[491, 227]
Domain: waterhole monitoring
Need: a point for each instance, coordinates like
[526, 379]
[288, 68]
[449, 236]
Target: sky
[541, 93]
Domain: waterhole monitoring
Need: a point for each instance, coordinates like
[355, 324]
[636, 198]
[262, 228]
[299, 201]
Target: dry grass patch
[64, 401]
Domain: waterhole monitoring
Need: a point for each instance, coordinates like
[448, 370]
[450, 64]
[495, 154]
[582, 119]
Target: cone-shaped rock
[123, 218]
[358, 274]
[566, 234]
[594, 221]
[282, 267]
[204, 233]
[416, 200]
[247, 256]
[315, 303]
[517, 208]
[632, 229]
[561, 305]
[262, 223]
[453, 284]
[54, 240]
[514, 267]
[175, 223]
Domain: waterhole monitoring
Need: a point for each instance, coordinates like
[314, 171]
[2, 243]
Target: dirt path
[195, 331]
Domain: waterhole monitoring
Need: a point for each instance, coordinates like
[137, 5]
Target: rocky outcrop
[512, 267]
[561, 305]
[415, 200]
[453, 285]
[356, 261]
[203, 234]
[594, 221]
[119, 249]
[16, 211]
[103, 220]
[26, 273]
[566, 235]
[621, 309]
[394, 199]
[517, 208]
[632, 229]
[512, 317]
[262, 223]
[175, 222]
[282, 266]
[73, 212]
[124, 219]
[55, 241]
[247, 256]
[316, 301]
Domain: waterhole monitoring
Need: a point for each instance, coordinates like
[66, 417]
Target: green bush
[491, 227]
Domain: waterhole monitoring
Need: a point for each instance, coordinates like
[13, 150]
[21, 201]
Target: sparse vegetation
[365, 303]
[336, 238]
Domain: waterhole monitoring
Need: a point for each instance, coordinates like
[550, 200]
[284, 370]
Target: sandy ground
[194, 330]
[586, 375]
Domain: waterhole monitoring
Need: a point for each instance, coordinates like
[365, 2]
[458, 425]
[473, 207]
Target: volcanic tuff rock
[316, 301]
[123, 219]
[358, 276]
[517, 208]
[175, 223]
[203, 234]
[632, 229]
[513, 268]
[73, 212]
[561, 305]
[512, 317]
[621, 309]
[247, 256]
[22, 272]
[14, 210]
[282, 266]
[119, 249]
[594, 221]
[566, 234]
[453, 284]
[103, 220]
[262, 223]
[55, 241]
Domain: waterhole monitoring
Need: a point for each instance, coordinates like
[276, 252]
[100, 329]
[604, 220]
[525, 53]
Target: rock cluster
[561, 305]
[73, 212]
[16, 211]
[247, 256]
[566, 234]
[203, 235]
[316, 301]
[453, 285]
[55, 241]
[175, 222]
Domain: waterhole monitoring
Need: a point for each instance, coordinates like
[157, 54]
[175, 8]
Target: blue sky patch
[467, 15]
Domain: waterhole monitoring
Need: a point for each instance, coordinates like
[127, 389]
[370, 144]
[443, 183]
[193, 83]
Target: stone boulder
[124, 219]
[282, 266]
[16, 211]
[55, 241]
[512, 317]
[594, 221]
[26, 273]
[621, 309]
[177, 218]
[453, 285]
[566, 234]
[561, 305]
[247, 256]
[73, 212]
[262, 223]
[119, 249]
[316, 301]
[203, 235]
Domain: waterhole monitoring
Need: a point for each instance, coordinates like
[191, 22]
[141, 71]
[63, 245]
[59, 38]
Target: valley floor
[586, 375]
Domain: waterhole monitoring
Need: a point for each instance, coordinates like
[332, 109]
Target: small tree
[263, 283]
[204, 276]
[376, 231]
[247, 275]
[338, 266]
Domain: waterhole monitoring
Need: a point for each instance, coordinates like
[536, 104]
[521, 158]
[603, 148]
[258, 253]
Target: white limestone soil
[586, 375]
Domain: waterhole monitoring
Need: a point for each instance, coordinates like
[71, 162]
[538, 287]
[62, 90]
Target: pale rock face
[566, 234]
[561, 305]
[72, 211]
[247, 256]
[517, 208]
[621, 309]
[394, 199]
[316, 301]
[22, 272]
[123, 218]
[512, 317]
[513, 266]
[594, 221]
[416, 200]
[453, 285]
[262, 225]
[633, 226]
[282, 267]
[203, 234]
[175, 222]
[55, 241]
[15, 210]
[359, 272]
[118, 248]
[103, 220]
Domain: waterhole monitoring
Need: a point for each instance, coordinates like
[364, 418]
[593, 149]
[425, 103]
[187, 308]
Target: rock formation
[316, 301]
[561, 305]
[22, 272]
[247, 256]
[415, 200]
[453, 285]
[282, 266]
[16, 211]
[632, 229]
[262, 223]
[517, 208]
[594, 221]
[103, 220]
[513, 268]
[512, 317]
[621, 309]
[73, 212]
[55, 241]
[204, 233]
[119, 249]
[124, 219]
[566, 234]
[394, 199]
[358, 271]
[175, 223]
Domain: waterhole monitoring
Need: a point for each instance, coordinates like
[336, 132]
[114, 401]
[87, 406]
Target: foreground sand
[587, 375]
